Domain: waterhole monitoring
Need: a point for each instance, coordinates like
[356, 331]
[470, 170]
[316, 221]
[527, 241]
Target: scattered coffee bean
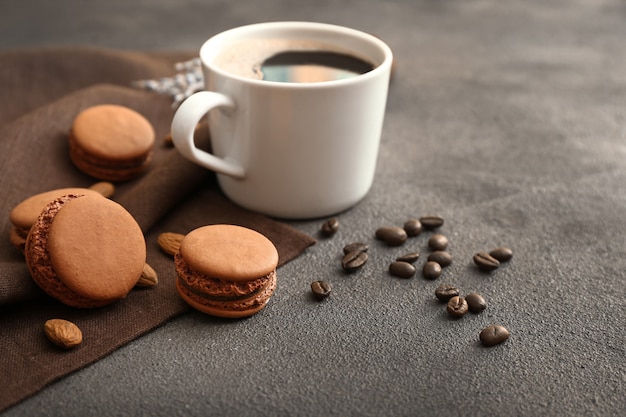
[391, 235]
[502, 254]
[445, 292]
[330, 227]
[457, 306]
[493, 335]
[355, 247]
[413, 227]
[431, 222]
[486, 262]
[410, 257]
[320, 289]
[431, 270]
[475, 302]
[438, 242]
[401, 269]
[443, 258]
[353, 261]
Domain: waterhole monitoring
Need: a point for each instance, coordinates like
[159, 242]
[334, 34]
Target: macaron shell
[229, 252]
[96, 248]
[229, 309]
[112, 131]
[25, 213]
[17, 239]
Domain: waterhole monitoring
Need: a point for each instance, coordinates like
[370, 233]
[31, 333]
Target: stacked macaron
[226, 270]
[111, 142]
[85, 251]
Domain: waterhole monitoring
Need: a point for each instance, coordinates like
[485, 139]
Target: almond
[105, 188]
[148, 278]
[170, 242]
[63, 333]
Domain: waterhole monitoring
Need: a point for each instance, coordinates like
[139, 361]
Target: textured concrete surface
[508, 119]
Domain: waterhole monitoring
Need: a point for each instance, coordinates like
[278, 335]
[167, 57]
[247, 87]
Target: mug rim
[207, 52]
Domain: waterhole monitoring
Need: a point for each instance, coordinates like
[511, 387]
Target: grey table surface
[506, 118]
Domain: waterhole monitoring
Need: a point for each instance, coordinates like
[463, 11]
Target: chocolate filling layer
[254, 302]
[216, 289]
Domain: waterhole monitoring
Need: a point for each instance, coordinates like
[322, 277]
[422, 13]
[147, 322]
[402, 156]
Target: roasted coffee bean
[321, 289]
[486, 262]
[401, 269]
[443, 258]
[355, 247]
[445, 292]
[493, 335]
[410, 257]
[391, 235]
[431, 270]
[330, 227]
[502, 254]
[475, 302]
[431, 222]
[353, 261]
[438, 242]
[413, 227]
[457, 306]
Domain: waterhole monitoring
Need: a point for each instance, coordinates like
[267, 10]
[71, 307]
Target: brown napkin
[40, 93]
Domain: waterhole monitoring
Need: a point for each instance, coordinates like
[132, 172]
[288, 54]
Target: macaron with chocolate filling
[85, 251]
[24, 214]
[226, 270]
[111, 142]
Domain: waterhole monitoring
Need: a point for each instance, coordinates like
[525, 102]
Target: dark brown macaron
[85, 251]
[226, 270]
[111, 142]
[24, 215]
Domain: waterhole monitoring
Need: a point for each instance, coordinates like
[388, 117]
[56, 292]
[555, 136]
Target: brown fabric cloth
[41, 91]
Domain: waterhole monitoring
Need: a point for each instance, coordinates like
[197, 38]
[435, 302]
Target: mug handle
[184, 123]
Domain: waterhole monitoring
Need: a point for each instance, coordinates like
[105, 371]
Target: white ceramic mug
[288, 149]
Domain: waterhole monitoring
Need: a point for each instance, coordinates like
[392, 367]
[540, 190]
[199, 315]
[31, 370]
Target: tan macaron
[226, 270]
[85, 251]
[111, 142]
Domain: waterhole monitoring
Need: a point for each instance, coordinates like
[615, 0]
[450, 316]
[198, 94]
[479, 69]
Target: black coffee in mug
[308, 66]
[290, 60]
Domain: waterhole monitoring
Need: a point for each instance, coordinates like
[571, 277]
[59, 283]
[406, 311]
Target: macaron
[24, 214]
[111, 142]
[85, 251]
[226, 270]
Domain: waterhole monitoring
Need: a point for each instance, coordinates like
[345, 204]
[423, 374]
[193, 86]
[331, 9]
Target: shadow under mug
[288, 149]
